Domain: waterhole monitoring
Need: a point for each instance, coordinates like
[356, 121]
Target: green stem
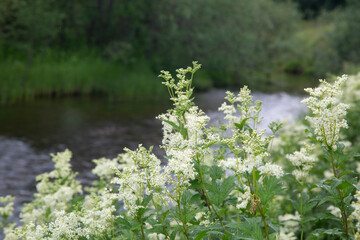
[161, 219]
[182, 219]
[343, 210]
[264, 220]
[301, 213]
[142, 230]
[254, 182]
[207, 196]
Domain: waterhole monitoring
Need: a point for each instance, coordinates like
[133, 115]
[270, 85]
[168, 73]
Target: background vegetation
[57, 47]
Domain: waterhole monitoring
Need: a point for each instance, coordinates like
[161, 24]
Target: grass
[65, 74]
[57, 73]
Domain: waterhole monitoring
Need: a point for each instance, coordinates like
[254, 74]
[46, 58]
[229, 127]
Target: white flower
[328, 113]
[105, 167]
[271, 169]
[355, 215]
[141, 178]
[290, 224]
[334, 211]
[303, 160]
[244, 198]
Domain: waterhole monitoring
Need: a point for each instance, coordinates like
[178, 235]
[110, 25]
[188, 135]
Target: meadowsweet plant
[327, 120]
[249, 156]
[214, 182]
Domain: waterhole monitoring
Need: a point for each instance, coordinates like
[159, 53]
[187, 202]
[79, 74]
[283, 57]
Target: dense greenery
[254, 42]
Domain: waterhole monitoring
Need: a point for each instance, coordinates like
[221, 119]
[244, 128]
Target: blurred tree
[312, 8]
[346, 35]
[234, 39]
[27, 25]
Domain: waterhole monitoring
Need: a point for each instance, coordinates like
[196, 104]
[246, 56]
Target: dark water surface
[91, 129]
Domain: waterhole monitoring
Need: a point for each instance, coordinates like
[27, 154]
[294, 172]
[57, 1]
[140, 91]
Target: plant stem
[182, 219]
[161, 219]
[301, 213]
[142, 231]
[255, 191]
[207, 196]
[264, 220]
[343, 211]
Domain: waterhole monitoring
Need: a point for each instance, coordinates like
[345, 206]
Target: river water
[94, 128]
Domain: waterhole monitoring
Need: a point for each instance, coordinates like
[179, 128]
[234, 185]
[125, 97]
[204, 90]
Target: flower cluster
[290, 226]
[328, 112]
[56, 190]
[251, 154]
[142, 178]
[303, 160]
[183, 131]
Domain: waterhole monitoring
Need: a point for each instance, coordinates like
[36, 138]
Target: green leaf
[321, 231]
[189, 215]
[269, 188]
[186, 198]
[173, 234]
[346, 172]
[220, 189]
[251, 229]
[146, 200]
[216, 172]
[176, 127]
[346, 186]
[274, 227]
[123, 222]
[321, 217]
[240, 126]
[201, 234]
[328, 199]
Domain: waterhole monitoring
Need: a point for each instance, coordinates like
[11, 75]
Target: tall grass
[53, 75]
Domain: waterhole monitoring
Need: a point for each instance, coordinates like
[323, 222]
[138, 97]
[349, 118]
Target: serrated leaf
[216, 172]
[189, 215]
[348, 199]
[186, 197]
[269, 188]
[220, 189]
[251, 229]
[123, 222]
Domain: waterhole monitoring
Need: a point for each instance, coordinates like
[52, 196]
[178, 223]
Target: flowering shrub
[232, 181]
